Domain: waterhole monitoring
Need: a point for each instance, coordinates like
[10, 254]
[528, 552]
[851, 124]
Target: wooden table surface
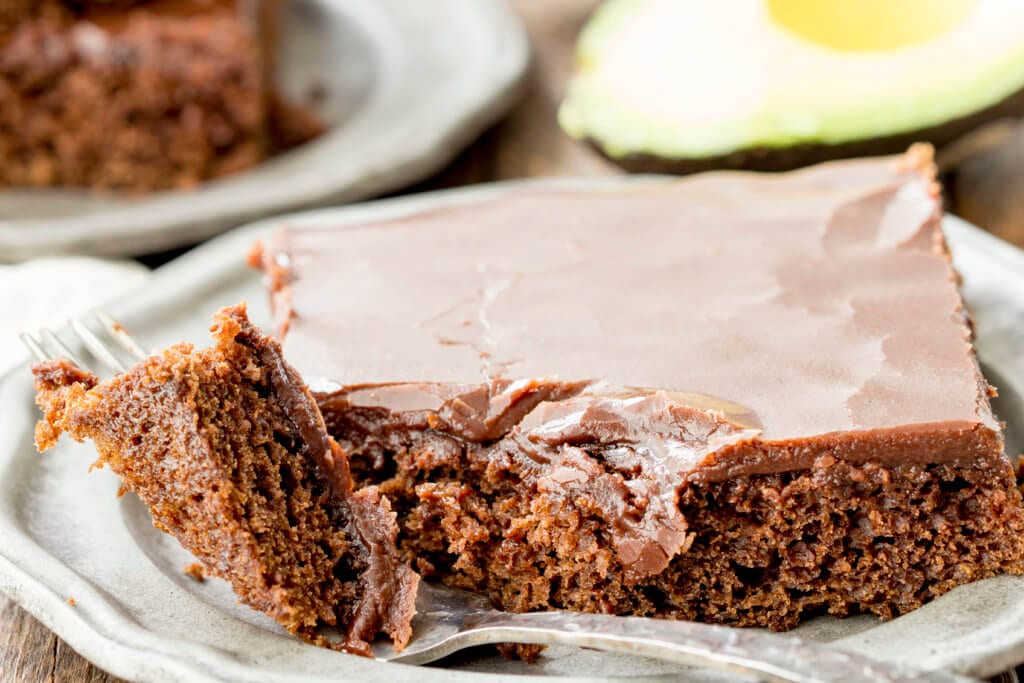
[986, 187]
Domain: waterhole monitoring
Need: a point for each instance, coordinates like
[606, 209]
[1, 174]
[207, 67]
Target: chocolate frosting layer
[772, 321]
[823, 300]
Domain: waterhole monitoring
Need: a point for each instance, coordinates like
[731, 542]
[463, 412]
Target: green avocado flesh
[691, 80]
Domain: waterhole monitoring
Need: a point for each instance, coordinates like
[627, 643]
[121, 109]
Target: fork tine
[53, 347]
[33, 345]
[121, 336]
[45, 344]
[96, 347]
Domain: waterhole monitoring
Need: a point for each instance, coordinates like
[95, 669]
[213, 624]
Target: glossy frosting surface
[819, 301]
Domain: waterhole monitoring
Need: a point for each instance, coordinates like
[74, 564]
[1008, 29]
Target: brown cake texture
[163, 94]
[849, 534]
[227, 448]
[733, 398]
[14, 12]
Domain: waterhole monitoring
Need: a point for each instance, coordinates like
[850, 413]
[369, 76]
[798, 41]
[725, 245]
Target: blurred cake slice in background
[138, 96]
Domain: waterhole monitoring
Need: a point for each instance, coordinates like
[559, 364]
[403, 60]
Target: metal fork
[450, 620]
[45, 344]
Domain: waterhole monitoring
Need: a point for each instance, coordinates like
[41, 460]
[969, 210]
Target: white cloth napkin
[48, 292]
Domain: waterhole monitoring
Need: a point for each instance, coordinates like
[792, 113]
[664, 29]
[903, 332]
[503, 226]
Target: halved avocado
[689, 85]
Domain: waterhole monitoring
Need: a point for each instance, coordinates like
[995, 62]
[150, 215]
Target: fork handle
[766, 656]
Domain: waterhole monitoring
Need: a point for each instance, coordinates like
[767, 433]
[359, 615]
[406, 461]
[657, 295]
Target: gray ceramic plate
[65, 534]
[408, 84]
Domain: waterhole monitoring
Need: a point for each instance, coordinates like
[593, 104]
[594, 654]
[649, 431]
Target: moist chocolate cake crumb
[767, 550]
[520, 651]
[195, 571]
[14, 12]
[228, 450]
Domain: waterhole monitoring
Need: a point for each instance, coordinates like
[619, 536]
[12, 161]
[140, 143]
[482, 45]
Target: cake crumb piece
[185, 429]
[528, 653]
[195, 571]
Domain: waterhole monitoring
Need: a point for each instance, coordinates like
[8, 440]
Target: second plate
[408, 85]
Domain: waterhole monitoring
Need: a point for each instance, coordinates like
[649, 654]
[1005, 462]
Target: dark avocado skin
[789, 158]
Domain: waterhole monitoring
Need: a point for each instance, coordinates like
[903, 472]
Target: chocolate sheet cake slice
[228, 450]
[140, 96]
[734, 398]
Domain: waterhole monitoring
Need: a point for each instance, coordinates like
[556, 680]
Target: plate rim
[119, 652]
